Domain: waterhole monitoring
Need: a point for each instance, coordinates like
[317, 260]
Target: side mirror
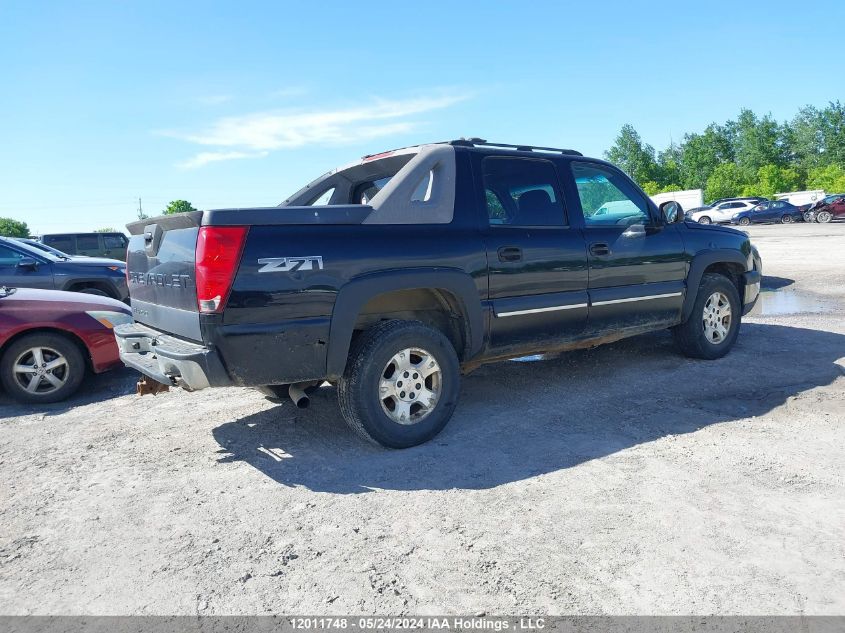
[672, 212]
[27, 263]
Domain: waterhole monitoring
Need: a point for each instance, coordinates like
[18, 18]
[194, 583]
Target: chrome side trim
[645, 298]
[536, 310]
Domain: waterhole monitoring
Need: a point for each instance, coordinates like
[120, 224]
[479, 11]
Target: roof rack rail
[476, 142]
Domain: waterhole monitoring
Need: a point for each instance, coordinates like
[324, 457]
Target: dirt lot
[625, 479]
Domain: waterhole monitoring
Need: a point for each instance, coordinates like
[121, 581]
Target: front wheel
[704, 220]
[711, 330]
[41, 368]
[824, 217]
[401, 384]
[808, 217]
[744, 221]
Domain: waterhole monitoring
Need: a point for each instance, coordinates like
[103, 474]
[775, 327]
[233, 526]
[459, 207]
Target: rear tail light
[218, 254]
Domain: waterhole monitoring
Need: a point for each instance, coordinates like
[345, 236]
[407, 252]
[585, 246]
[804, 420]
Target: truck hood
[72, 300]
[715, 227]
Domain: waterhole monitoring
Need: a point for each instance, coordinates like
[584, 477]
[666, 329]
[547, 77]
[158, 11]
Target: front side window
[114, 241]
[8, 257]
[607, 197]
[522, 192]
[87, 243]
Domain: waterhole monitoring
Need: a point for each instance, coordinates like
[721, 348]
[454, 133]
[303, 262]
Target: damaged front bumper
[170, 360]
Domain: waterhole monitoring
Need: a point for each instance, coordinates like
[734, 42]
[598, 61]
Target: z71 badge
[290, 264]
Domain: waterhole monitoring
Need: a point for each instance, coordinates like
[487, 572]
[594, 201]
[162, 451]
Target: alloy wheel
[41, 370]
[717, 318]
[410, 385]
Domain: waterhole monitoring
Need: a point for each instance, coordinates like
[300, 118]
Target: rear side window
[87, 242]
[522, 192]
[64, 243]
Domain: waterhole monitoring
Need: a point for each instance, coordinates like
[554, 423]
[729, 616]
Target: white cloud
[262, 132]
[203, 158]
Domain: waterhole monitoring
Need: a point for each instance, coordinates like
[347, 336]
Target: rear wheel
[401, 384]
[824, 217]
[712, 328]
[787, 219]
[744, 221]
[704, 220]
[42, 368]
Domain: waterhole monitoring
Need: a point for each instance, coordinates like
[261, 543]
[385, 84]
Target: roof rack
[476, 142]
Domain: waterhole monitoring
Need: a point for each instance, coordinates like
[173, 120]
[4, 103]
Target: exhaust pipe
[298, 395]
[148, 385]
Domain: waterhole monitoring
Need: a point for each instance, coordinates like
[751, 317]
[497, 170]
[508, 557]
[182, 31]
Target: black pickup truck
[393, 275]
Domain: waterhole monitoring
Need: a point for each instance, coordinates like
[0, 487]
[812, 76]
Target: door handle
[510, 254]
[599, 248]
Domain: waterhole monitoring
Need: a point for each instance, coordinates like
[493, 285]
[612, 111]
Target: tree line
[749, 156]
[10, 227]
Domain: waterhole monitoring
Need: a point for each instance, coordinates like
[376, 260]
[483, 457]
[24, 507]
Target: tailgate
[160, 272]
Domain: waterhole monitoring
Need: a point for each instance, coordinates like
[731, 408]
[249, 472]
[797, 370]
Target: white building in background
[801, 197]
[688, 199]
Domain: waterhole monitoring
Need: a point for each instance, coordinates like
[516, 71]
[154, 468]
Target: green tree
[636, 158]
[669, 163]
[702, 153]
[830, 178]
[772, 179]
[832, 133]
[178, 206]
[727, 180]
[13, 228]
[107, 229]
[757, 141]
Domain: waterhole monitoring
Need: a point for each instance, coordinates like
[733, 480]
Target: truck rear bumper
[168, 359]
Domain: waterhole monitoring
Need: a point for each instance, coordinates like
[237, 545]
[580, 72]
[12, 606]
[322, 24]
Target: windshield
[46, 249]
[31, 250]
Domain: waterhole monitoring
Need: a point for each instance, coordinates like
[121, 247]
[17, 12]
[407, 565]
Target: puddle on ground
[777, 302]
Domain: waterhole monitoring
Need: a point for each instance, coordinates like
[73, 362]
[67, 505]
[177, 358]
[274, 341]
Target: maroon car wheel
[42, 368]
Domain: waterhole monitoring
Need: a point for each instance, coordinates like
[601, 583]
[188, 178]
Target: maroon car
[49, 338]
[830, 208]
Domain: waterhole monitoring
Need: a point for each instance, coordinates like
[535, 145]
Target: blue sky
[239, 104]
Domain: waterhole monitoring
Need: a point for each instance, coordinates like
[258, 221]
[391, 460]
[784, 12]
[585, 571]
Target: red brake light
[218, 254]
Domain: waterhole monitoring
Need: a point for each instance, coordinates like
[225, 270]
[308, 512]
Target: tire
[787, 219]
[704, 220]
[51, 348]
[824, 217]
[372, 371]
[94, 291]
[744, 221]
[808, 217]
[691, 337]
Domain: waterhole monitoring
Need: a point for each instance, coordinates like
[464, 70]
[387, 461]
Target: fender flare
[354, 295]
[696, 270]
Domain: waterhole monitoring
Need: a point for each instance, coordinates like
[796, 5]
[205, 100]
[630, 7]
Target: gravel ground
[624, 479]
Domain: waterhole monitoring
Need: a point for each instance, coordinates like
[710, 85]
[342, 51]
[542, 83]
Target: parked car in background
[49, 340]
[721, 213]
[769, 212]
[23, 266]
[829, 205]
[111, 245]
